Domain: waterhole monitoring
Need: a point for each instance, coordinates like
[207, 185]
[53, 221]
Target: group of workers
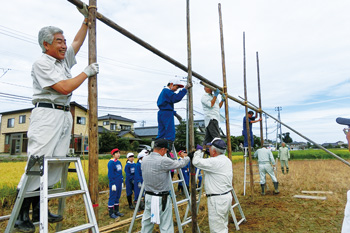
[50, 130]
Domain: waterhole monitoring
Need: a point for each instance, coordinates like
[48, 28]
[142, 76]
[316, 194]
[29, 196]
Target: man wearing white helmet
[138, 180]
[166, 100]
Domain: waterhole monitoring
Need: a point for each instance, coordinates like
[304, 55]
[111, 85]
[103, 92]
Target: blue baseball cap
[218, 143]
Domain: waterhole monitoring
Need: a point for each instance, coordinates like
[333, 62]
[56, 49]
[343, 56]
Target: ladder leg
[86, 196]
[17, 206]
[136, 208]
[62, 201]
[43, 226]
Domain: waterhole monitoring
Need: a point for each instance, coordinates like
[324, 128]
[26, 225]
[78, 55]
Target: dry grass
[269, 213]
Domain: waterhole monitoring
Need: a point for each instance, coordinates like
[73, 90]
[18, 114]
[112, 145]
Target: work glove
[91, 70]
[139, 185]
[223, 97]
[188, 86]
[199, 147]
[178, 117]
[216, 92]
[190, 155]
[84, 11]
[114, 187]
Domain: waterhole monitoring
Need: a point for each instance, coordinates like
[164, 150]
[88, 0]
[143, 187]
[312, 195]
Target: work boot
[130, 203]
[116, 211]
[287, 169]
[275, 184]
[283, 170]
[111, 212]
[23, 223]
[52, 218]
[262, 189]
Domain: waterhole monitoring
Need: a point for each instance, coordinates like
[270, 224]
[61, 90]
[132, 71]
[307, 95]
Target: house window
[113, 126]
[106, 123]
[22, 119]
[81, 120]
[7, 139]
[125, 127]
[11, 123]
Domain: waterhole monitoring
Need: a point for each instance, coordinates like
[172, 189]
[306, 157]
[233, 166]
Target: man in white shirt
[211, 107]
[217, 184]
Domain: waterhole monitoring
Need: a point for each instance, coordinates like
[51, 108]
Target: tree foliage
[180, 136]
[286, 138]
[107, 141]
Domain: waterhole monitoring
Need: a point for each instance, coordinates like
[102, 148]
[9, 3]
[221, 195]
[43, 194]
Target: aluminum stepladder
[187, 199]
[235, 198]
[46, 194]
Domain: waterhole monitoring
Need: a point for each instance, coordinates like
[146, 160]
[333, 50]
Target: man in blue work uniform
[251, 120]
[166, 113]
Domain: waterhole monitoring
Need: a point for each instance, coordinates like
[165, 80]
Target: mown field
[270, 213]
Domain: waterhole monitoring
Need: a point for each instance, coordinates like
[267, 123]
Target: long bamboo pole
[247, 122]
[228, 134]
[259, 94]
[190, 122]
[93, 125]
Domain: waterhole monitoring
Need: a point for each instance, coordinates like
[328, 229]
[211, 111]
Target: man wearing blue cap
[217, 183]
[156, 176]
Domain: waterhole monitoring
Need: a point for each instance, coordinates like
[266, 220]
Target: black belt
[211, 195]
[157, 194]
[164, 196]
[54, 106]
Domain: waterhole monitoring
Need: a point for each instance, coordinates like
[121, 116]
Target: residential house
[15, 124]
[124, 127]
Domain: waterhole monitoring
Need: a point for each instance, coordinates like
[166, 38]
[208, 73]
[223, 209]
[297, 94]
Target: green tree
[135, 145]
[123, 144]
[286, 138]
[107, 141]
[180, 136]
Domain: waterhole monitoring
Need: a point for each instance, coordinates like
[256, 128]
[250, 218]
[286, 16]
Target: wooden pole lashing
[228, 134]
[259, 94]
[93, 125]
[247, 122]
[190, 122]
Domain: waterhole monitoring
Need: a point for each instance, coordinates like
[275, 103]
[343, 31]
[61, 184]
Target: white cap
[129, 155]
[177, 82]
[146, 152]
[141, 155]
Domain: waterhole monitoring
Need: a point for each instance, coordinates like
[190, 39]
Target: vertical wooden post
[190, 123]
[228, 134]
[93, 126]
[259, 93]
[247, 121]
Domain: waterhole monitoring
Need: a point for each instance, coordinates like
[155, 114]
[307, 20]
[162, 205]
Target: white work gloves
[84, 11]
[139, 185]
[91, 70]
[114, 187]
[188, 86]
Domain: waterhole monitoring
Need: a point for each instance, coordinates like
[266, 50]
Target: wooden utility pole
[247, 121]
[228, 134]
[259, 93]
[93, 126]
[190, 122]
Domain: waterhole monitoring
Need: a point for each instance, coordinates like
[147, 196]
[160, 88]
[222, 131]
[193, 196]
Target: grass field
[269, 213]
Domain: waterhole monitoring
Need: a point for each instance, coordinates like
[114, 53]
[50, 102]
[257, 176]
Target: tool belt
[54, 106]
[164, 196]
[211, 195]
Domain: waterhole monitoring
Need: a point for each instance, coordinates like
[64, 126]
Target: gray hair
[47, 34]
[218, 150]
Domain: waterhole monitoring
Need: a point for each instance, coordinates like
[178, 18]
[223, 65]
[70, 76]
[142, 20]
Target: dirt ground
[269, 213]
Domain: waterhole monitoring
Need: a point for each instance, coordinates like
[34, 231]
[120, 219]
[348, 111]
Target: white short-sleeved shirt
[209, 111]
[47, 71]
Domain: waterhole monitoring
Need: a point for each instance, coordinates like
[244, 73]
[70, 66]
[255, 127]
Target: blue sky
[303, 54]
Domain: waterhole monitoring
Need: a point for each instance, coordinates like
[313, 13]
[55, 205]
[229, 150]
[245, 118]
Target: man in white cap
[217, 183]
[165, 103]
